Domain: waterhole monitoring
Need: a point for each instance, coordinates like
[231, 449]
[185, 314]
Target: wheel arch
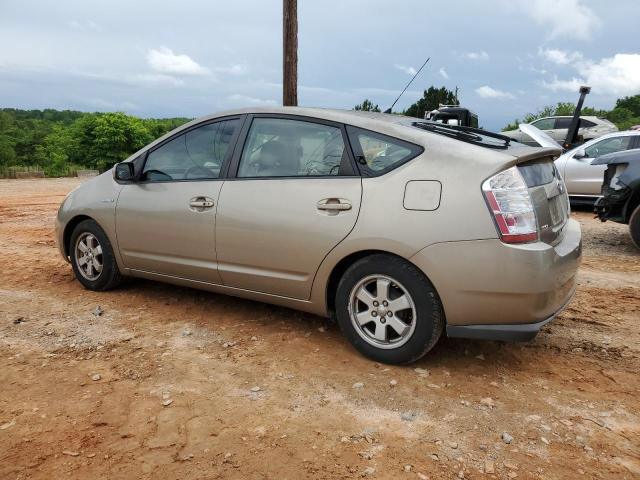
[341, 267]
[69, 228]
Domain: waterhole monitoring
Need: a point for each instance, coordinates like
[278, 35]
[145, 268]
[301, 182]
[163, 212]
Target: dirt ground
[173, 383]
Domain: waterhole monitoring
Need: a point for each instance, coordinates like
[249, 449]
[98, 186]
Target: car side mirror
[124, 172]
[580, 153]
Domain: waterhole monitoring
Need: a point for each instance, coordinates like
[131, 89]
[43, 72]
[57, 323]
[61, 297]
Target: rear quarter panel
[384, 224]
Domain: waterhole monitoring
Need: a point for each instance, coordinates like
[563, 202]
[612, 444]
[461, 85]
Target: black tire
[429, 321]
[110, 276]
[634, 227]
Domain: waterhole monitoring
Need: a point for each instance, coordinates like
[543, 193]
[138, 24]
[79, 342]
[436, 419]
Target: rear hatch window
[549, 196]
[537, 173]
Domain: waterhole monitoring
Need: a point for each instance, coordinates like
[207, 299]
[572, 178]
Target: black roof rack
[476, 136]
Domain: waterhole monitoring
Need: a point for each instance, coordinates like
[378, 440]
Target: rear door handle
[200, 203]
[333, 205]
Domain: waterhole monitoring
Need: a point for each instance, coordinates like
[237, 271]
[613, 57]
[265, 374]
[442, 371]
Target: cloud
[152, 78]
[487, 92]
[89, 25]
[559, 57]
[164, 61]
[618, 75]
[444, 73]
[235, 69]
[411, 71]
[565, 18]
[480, 56]
[238, 99]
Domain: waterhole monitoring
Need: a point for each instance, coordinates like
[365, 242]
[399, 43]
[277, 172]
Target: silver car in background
[583, 180]
[399, 228]
[557, 127]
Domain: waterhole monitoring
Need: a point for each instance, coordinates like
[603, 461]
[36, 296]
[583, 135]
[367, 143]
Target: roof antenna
[388, 110]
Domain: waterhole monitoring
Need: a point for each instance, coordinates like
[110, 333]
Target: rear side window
[279, 147]
[586, 123]
[544, 123]
[563, 122]
[377, 153]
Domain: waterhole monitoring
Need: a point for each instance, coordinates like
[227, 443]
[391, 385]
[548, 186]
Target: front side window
[379, 153]
[195, 155]
[278, 147]
[544, 123]
[608, 145]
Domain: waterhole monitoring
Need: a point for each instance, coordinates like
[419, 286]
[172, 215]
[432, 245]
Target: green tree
[630, 103]
[367, 106]
[546, 111]
[7, 152]
[431, 99]
[116, 137]
[62, 141]
[7, 139]
[625, 114]
[54, 153]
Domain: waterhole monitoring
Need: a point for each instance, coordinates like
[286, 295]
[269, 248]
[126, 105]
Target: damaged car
[620, 201]
[581, 174]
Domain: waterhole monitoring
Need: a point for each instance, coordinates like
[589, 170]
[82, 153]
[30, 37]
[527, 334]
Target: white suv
[557, 127]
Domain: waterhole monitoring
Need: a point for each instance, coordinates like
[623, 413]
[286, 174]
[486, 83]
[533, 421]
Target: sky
[194, 57]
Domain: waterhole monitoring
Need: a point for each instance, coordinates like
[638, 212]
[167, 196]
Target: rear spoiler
[537, 153]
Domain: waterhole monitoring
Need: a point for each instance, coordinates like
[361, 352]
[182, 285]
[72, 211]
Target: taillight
[509, 201]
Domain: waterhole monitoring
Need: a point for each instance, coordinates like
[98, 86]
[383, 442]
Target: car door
[165, 221]
[580, 176]
[293, 196]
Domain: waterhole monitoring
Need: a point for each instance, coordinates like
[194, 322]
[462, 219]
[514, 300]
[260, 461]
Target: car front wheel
[92, 257]
[388, 309]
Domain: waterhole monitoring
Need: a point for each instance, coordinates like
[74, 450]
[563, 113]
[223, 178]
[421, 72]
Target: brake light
[510, 203]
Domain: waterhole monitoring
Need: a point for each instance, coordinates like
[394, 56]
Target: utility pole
[289, 53]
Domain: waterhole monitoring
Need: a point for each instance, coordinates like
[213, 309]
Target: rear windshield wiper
[467, 134]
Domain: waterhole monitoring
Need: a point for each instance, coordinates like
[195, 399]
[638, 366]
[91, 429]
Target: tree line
[624, 115]
[60, 142]
[431, 99]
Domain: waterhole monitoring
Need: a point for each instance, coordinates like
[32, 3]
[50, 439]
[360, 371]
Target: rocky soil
[172, 383]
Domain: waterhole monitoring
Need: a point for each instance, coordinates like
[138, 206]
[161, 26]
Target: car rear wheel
[92, 257]
[634, 227]
[388, 309]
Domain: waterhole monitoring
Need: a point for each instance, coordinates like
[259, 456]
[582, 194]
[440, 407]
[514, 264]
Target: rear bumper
[490, 289]
[503, 333]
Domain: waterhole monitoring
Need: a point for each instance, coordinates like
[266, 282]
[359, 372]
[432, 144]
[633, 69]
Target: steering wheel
[199, 172]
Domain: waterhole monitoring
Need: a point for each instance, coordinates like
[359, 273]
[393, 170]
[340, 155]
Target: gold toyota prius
[399, 228]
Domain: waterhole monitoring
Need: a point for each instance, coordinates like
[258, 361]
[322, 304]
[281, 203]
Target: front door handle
[200, 203]
[333, 205]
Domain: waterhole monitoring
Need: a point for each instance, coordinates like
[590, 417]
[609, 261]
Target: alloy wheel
[88, 256]
[382, 311]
